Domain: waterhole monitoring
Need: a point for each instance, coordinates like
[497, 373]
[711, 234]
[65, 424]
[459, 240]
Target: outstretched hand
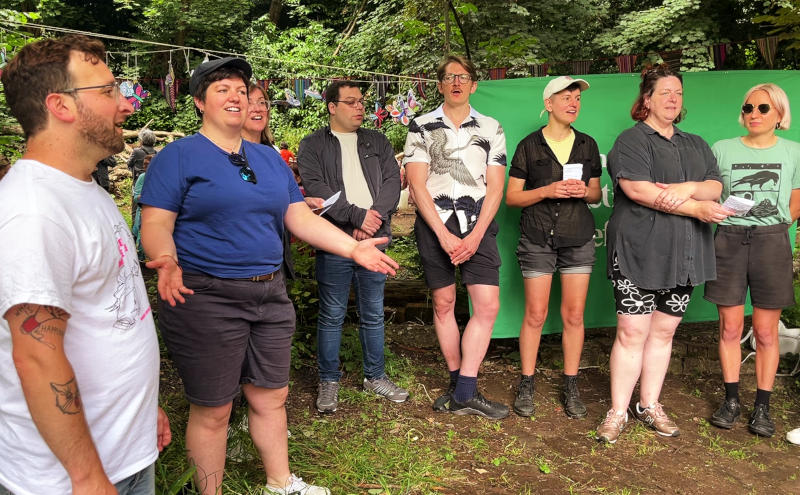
[170, 279]
[373, 259]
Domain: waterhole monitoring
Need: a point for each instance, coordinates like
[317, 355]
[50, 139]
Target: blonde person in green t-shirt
[555, 172]
[753, 250]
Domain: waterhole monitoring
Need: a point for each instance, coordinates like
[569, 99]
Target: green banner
[712, 101]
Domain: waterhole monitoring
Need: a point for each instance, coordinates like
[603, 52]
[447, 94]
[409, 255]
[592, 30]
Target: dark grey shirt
[659, 250]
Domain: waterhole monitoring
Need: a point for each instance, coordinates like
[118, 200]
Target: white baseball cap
[560, 84]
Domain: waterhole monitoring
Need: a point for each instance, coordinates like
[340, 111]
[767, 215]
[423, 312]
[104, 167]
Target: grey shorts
[535, 260]
[482, 269]
[758, 257]
[227, 333]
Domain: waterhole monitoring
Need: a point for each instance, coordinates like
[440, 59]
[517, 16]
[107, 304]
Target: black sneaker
[570, 398]
[479, 405]
[523, 402]
[760, 423]
[441, 402]
[727, 414]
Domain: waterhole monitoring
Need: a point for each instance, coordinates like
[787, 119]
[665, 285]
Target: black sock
[731, 390]
[454, 376]
[530, 377]
[762, 396]
[466, 388]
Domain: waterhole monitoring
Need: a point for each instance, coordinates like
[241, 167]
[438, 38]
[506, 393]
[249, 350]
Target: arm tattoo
[35, 322]
[68, 398]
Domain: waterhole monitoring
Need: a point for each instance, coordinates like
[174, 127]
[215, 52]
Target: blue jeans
[141, 483]
[334, 277]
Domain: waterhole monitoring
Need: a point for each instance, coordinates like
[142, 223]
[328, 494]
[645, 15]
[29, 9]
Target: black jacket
[319, 158]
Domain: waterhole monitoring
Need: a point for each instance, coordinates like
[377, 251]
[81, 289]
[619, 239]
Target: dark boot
[570, 398]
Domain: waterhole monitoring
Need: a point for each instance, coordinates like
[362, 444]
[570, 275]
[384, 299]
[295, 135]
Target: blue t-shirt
[226, 227]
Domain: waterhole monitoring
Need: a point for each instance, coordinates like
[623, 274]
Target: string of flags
[400, 107]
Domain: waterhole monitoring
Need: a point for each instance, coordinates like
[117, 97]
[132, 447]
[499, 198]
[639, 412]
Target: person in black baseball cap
[215, 207]
[217, 70]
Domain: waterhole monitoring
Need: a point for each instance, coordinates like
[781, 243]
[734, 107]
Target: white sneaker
[296, 486]
[793, 436]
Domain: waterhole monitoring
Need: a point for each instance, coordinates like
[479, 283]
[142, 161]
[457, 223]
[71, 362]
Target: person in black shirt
[555, 172]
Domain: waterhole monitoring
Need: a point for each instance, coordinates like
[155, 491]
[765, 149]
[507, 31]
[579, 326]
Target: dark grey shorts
[535, 260]
[227, 333]
[482, 269]
[758, 257]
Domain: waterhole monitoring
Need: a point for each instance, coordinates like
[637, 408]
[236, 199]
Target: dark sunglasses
[762, 108]
[245, 172]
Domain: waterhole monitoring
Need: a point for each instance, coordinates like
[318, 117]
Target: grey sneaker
[386, 388]
[327, 397]
[296, 486]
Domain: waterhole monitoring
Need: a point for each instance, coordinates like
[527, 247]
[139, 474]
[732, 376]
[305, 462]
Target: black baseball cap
[207, 68]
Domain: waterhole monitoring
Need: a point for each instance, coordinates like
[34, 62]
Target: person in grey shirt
[666, 187]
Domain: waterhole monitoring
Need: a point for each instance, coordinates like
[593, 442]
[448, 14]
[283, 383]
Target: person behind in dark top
[147, 139]
[556, 233]
[100, 174]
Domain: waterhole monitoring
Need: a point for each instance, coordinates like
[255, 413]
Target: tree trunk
[275, 7]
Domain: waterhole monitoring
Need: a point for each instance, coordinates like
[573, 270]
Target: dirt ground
[562, 455]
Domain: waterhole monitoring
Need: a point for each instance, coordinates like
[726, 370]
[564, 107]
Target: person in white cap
[555, 172]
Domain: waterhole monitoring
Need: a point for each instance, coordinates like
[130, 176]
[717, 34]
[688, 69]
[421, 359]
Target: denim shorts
[227, 333]
[535, 260]
[758, 257]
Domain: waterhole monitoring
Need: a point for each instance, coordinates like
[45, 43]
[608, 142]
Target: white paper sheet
[740, 205]
[573, 171]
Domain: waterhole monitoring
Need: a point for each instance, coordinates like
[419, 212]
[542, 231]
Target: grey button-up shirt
[657, 250]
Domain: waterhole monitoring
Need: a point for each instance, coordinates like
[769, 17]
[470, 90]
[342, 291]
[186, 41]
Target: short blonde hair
[779, 100]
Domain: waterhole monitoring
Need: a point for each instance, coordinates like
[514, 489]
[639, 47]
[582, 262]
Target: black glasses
[245, 172]
[762, 108]
[352, 103]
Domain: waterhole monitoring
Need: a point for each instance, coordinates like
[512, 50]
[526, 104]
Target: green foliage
[404, 251]
[10, 141]
[785, 21]
[156, 108]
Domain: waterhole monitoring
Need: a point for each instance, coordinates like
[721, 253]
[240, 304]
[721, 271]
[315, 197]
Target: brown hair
[650, 76]
[463, 61]
[40, 69]
[266, 135]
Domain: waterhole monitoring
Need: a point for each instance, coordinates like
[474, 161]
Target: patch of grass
[403, 249]
[353, 455]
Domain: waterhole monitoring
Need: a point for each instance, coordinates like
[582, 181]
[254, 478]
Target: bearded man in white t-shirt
[78, 350]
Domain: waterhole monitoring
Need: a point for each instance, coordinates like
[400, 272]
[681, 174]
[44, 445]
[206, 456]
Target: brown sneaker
[655, 417]
[612, 426]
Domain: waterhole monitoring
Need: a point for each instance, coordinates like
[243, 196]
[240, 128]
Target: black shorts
[482, 269]
[227, 333]
[758, 257]
[633, 300]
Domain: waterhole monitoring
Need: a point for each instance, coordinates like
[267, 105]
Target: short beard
[97, 132]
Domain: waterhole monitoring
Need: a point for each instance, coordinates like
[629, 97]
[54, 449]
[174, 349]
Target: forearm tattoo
[39, 322]
[68, 398]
